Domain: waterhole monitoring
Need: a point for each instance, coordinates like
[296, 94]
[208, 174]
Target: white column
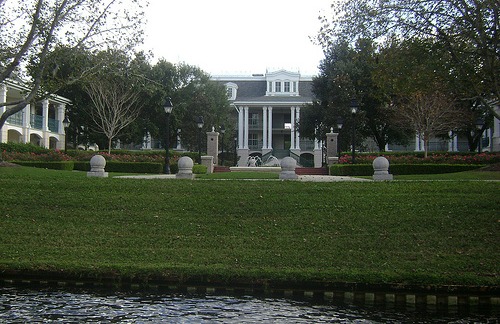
[240, 128]
[264, 128]
[317, 141]
[3, 96]
[26, 123]
[417, 143]
[270, 130]
[292, 128]
[45, 115]
[245, 142]
[61, 108]
[297, 134]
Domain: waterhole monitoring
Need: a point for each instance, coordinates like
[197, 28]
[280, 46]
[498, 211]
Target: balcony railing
[54, 125]
[36, 121]
[16, 119]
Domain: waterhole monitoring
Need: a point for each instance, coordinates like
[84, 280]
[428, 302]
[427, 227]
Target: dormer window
[282, 83]
[231, 90]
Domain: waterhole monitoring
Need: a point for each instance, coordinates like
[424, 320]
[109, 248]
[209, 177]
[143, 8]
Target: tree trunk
[109, 145]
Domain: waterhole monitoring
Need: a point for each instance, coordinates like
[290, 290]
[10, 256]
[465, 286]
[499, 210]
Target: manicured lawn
[420, 232]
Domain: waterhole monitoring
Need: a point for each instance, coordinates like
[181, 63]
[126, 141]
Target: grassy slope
[408, 232]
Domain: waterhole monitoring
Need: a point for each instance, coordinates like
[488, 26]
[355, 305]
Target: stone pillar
[185, 165]
[331, 147]
[97, 165]
[318, 153]
[208, 161]
[213, 144]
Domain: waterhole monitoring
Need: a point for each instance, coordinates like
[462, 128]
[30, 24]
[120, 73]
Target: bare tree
[429, 115]
[116, 105]
[30, 29]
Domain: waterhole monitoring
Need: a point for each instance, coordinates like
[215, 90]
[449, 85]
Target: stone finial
[381, 169]
[185, 165]
[97, 165]
[288, 165]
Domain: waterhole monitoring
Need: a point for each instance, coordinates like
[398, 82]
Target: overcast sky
[237, 36]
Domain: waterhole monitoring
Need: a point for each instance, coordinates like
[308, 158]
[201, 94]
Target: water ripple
[20, 305]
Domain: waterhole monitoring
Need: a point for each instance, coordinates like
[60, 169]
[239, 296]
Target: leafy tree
[347, 72]
[417, 72]
[193, 94]
[467, 30]
[31, 29]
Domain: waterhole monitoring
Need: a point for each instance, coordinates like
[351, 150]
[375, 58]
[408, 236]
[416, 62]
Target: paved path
[307, 178]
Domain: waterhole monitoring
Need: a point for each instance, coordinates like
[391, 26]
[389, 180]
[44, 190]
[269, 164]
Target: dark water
[22, 305]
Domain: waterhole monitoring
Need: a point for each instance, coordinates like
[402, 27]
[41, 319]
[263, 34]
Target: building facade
[38, 123]
[268, 107]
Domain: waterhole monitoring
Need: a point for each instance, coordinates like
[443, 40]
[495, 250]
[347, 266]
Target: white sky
[237, 36]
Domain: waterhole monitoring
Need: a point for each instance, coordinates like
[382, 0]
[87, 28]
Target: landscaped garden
[62, 223]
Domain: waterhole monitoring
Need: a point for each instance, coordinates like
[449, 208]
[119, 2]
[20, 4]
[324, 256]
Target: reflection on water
[21, 305]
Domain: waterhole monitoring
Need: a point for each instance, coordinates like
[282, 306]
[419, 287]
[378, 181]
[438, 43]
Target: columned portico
[268, 109]
[42, 126]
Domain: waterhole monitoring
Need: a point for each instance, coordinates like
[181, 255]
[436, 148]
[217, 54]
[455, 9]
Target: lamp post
[65, 123]
[222, 131]
[199, 122]
[479, 127]
[354, 110]
[236, 151]
[168, 110]
[340, 123]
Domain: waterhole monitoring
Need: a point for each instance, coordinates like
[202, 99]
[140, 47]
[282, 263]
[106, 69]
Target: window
[253, 120]
[253, 140]
[278, 86]
[287, 86]
[270, 86]
[231, 89]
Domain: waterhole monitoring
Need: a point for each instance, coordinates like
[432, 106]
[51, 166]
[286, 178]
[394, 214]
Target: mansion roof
[281, 87]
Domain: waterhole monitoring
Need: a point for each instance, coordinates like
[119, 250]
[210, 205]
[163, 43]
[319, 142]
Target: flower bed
[418, 158]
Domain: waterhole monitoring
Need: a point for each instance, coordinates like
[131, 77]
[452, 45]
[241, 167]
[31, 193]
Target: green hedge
[400, 169]
[125, 167]
[22, 148]
[55, 165]
[199, 169]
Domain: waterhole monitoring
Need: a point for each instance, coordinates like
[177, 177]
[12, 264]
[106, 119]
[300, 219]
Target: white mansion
[268, 106]
[39, 123]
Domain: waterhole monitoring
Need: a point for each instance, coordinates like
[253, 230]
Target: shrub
[400, 169]
[57, 165]
[199, 169]
[22, 148]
